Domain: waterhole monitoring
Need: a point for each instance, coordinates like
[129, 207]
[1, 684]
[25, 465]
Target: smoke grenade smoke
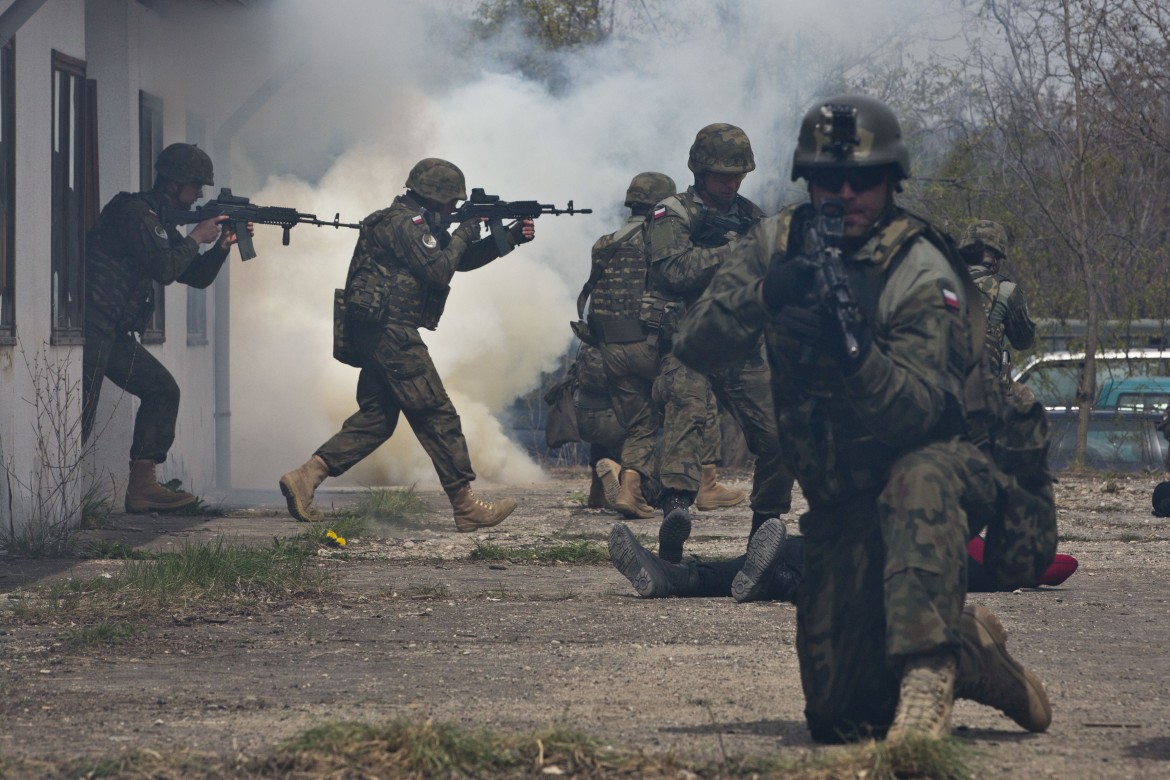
[377, 87]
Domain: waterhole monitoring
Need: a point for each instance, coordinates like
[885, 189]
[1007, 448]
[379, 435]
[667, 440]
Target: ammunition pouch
[660, 315]
[617, 331]
[433, 303]
[343, 349]
[364, 299]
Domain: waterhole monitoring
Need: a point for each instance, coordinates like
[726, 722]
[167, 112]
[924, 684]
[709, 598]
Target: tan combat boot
[609, 473]
[988, 675]
[298, 487]
[712, 495]
[471, 514]
[926, 698]
[144, 494]
[629, 499]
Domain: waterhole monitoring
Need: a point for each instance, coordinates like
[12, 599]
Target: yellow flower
[341, 541]
[331, 535]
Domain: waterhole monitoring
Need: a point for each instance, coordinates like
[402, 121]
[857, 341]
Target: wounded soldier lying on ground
[771, 570]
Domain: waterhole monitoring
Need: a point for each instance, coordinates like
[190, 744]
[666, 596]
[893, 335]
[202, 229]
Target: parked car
[1118, 439]
[1133, 379]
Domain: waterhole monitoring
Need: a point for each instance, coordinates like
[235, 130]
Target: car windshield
[1055, 383]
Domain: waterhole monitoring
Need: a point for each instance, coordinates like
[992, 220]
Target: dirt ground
[416, 628]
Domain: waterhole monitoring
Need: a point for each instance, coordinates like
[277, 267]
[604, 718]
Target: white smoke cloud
[383, 85]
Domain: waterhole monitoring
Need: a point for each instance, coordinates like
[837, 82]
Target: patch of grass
[1130, 538]
[97, 504]
[1074, 538]
[579, 497]
[212, 572]
[107, 550]
[407, 748]
[198, 509]
[568, 552]
[104, 634]
[396, 508]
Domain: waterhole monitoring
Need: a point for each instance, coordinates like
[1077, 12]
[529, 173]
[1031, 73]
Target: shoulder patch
[659, 212]
[417, 219]
[950, 297]
[429, 241]
[161, 232]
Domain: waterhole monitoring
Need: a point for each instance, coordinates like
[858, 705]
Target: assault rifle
[240, 211]
[712, 225]
[823, 247]
[483, 206]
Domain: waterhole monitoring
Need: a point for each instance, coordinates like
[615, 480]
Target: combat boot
[144, 494]
[608, 472]
[926, 698]
[712, 495]
[471, 514]
[763, 556]
[298, 487]
[676, 526]
[651, 576]
[988, 675]
[629, 500]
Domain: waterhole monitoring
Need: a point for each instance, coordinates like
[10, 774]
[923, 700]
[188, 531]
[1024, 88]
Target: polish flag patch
[417, 219]
[950, 299]
[660, 212]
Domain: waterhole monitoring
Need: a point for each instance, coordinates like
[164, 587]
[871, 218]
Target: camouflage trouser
[600, 429]
[398, 376]
[126, 363]
[885, 578]
[650, 390]
[745, 390]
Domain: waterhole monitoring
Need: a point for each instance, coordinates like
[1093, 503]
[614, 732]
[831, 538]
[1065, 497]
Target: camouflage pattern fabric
[128, 364]
[597, 422]
[398, 280]
[1007, 320]
[877, 457]
[398, 376]
[683, 259]
[128, 250]
[721, 148]
[986, 233]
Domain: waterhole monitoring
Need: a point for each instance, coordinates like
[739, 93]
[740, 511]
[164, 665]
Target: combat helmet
[985, 234]
[721, 148]
[437, 180]
[185, 164]
[850, 131]
[649, 187]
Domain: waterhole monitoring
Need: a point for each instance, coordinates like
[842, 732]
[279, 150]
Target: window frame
[150, 143]
[8, 194]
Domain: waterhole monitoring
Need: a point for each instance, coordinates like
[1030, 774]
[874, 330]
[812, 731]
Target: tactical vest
[116, 289]
[616, 295]
[995, 293]
[381, 288]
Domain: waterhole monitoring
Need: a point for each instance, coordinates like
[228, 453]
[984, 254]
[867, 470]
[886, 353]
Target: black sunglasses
[860, 179]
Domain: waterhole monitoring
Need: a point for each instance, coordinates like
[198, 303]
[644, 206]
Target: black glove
[787, 283]
[805, 325]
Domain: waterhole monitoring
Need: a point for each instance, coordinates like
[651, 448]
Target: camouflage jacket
[619, 268]
[403, 263]
[841, 433]
[684, 249]
[1007, 318]
[127, 251]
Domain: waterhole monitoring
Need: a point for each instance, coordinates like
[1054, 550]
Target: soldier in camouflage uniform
[984, 247]
[875, 436]
[598, 424]
[398, 282]
[690, 235]
[636, 357]
[128, 250]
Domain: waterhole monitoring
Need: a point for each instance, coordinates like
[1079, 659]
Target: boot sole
[631, 512]
[608, 472]
[623, 553]
[762, 553]
[1036, 715]
[146, 508]
[673, 534]
[295, 508]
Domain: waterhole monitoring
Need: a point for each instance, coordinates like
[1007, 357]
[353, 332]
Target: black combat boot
[652, 577]
[676, 525]
[763, 555]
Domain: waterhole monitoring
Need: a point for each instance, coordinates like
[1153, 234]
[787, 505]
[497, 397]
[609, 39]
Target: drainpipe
[222, 149]
[15, 16]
